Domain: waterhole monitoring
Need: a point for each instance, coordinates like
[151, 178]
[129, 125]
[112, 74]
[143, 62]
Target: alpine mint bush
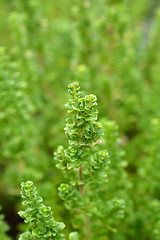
[85, 169]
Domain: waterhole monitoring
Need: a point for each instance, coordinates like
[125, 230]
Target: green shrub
[85, 170]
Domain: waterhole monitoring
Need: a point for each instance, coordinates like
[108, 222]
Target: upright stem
[86, 218]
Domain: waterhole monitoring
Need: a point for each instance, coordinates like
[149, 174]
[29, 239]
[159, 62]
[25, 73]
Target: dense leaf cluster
[41, 223]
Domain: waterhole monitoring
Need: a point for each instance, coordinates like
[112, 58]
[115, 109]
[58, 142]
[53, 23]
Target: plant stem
[86, 218]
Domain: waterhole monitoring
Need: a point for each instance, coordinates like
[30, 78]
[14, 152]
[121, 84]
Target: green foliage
[41, 224]
[85, 169]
